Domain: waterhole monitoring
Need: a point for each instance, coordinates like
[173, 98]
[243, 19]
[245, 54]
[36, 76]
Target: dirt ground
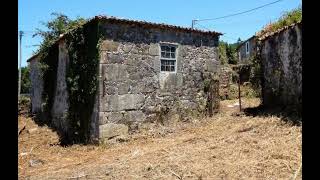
[226, 146]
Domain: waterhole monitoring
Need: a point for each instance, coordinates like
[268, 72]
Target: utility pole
[20, 59]
[193, 23]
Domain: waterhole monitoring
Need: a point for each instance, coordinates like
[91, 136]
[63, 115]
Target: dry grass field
[226, 146]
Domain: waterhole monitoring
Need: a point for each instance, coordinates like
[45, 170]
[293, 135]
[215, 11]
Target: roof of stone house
[142, 23]
[151, 24]
[267, 35]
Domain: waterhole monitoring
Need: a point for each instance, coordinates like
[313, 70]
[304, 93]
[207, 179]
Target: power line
[30, 46]
[27, 32]
[222, 35]
[237, 13]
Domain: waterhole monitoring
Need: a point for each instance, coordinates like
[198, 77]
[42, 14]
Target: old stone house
[246, 49]
[146, 72]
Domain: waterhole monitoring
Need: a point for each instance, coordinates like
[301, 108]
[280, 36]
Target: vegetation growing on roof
[288, 18]
[60, 24]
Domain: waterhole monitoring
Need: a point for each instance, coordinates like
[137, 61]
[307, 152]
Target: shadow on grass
[65, 139]
[41, 119]
[288, 115]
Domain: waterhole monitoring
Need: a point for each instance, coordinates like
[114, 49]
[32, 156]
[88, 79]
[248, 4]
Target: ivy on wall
[82, 78]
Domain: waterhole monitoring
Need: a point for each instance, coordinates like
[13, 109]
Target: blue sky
[175, 12]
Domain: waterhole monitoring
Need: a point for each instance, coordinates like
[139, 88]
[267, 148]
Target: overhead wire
[235, 14]
[230, 15]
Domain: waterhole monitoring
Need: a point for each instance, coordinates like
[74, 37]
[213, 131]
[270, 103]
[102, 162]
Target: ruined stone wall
[60, 104]
[281, 56]
[36, 86]
[132, 88]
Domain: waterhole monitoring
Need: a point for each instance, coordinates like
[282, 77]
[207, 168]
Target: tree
[227, 53]
[239, 41]
[230, 52]
[25, 80]
[222, 53]
[60, 24]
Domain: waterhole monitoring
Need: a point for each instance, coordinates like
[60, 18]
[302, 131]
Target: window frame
[175, 45]
[247, 48]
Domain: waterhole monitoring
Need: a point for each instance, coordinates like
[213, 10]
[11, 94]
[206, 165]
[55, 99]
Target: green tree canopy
[60, 24]
[227, 53]
[25, 80]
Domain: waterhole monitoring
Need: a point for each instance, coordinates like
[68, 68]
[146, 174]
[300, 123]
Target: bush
[24, 100]
[248, 91]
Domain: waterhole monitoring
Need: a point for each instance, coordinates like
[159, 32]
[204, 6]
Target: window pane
[168, 63]
[167, 55]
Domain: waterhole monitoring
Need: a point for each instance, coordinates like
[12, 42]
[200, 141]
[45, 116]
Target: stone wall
[36, 86]
[59, 108]
[60, 103]
[281, 56]
[132, 88]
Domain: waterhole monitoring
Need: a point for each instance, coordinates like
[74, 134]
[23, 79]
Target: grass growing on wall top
[288, 18]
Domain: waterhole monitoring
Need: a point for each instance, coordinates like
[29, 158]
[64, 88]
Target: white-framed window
[168, 57]
[247, 47]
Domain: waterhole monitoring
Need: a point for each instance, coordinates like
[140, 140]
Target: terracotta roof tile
[160, 25]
